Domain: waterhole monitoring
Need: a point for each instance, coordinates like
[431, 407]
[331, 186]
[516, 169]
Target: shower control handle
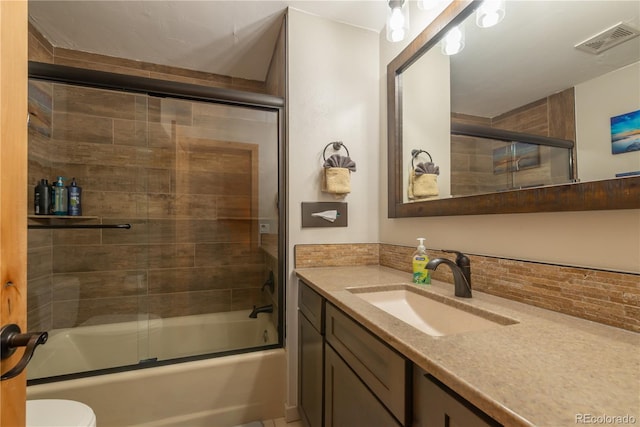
[11, 339]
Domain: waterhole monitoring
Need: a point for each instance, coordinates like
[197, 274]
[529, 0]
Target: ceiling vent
[607, 39]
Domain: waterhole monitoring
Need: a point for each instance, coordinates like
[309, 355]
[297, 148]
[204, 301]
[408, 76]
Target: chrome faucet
[461, 272]
[263, 309]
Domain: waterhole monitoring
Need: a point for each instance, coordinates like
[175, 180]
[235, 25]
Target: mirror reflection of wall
[601, 98]
[425, 119]
[526, 75]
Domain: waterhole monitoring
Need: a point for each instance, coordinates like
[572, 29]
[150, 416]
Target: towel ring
[415, 153]
[336, 146]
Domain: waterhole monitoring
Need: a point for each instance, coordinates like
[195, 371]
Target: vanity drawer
[383, 370]
[436, 405]
[310, 304]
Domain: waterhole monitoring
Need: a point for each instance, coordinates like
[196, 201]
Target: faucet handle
[461, 259]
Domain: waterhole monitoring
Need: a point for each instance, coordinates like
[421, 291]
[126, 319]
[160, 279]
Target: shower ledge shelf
[51, 222]
[85, 217]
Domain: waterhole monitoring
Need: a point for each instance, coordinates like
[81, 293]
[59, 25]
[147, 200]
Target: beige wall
[332, 96]
[597, 101]
[607, 240]
[426, 123]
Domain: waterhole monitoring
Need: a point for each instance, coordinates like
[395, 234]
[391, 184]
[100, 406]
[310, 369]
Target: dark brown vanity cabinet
[349, 377]
[310, 356]
[435, 405]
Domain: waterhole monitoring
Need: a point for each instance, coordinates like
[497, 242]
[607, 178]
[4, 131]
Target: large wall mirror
[532, 115]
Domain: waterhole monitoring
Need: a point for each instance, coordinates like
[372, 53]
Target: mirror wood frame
[618, 193]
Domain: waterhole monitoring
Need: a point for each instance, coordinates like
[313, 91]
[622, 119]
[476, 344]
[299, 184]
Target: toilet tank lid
[59, 413]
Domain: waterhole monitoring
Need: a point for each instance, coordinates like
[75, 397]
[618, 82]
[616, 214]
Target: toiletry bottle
[419, 260]
[42, 198]
[75, 192]
[60, 199]
[52, 195]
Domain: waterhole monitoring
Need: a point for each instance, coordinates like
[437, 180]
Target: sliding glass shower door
[197, 182]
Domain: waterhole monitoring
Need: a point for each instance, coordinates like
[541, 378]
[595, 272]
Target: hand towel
[336, 181]
[425, 185]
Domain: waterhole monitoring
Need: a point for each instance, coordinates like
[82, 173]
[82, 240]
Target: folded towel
[425, 185]
[427, 167]
[336, 180]
[338, 161]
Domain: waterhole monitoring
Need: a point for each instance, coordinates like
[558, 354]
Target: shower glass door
[197, 182]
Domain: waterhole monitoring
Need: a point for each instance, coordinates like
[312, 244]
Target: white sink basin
[436, 318]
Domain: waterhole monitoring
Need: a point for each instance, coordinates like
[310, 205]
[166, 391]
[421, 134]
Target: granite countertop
[548, 369]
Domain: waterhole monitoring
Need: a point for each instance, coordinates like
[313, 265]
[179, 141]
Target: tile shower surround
[606, 297]
[187, 194]
[126, 286]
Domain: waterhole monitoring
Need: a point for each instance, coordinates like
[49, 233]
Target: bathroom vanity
[361, 363]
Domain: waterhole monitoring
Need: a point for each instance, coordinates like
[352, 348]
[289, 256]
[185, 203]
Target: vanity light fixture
[398, 20]
[490, 13]
[453, 41]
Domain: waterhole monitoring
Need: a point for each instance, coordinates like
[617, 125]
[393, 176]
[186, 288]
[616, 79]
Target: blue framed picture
[625, 133]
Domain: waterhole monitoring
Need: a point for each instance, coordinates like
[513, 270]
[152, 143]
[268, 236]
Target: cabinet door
[379, 367]
[436, 406]
[348, 402]
[309, 372]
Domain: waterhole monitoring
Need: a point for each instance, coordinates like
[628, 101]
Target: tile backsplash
[611, 298]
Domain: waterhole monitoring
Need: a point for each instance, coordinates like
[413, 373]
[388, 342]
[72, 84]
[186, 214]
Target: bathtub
[89, 348]
[219, 392]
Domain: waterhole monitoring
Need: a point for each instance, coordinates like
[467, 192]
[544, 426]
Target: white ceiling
[233, 38]
[531, 53]
[534, 43]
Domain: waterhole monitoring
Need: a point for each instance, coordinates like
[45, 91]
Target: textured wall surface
[602, 296]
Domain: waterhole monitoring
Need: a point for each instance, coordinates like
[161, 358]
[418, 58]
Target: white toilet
[59, 413]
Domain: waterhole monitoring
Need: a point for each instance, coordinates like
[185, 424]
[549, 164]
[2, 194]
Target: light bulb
[397, 35]
[490, 13]
[453, 41]
[454, 36]
[396, 22]
[452, 48]
[489, 19]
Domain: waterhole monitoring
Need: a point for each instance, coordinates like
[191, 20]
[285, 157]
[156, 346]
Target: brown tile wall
[171, 169]
[606, 297]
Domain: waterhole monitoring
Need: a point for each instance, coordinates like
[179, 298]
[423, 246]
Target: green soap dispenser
[419, 261]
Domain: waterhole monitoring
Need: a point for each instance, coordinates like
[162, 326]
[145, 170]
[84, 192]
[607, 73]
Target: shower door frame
[191, 92]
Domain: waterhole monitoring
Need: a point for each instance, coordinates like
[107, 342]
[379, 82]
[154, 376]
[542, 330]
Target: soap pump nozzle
[421, 243]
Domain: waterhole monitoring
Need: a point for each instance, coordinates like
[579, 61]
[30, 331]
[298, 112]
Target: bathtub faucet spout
[263, 309]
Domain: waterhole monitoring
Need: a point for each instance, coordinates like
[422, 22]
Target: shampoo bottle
[419, 260]
[60, 200]
[75, 192]
[42, 198]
